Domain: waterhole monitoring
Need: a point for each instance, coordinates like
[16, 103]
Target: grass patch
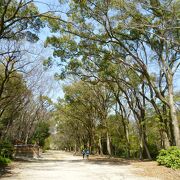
[4, 161]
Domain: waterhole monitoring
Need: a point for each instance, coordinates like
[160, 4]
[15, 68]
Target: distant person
[87, 153]
[83, 153]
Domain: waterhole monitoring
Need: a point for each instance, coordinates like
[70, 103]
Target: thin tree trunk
[168, 134]
[75, 148]
[142, 132]
[146, 147]
[128, 143]
[108, 143]
[145, 141]
[100, 147]
[125, 127]
[140, 146]
[144, 125]
[126, 131]
[143, 146]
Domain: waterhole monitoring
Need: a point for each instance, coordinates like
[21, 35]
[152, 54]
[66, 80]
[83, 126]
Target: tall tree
[133, 33]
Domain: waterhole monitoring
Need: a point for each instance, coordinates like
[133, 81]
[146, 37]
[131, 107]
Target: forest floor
[59, 165]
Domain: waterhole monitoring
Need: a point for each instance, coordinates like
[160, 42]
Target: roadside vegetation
[170, 157]
[4, 161]
[24, 107]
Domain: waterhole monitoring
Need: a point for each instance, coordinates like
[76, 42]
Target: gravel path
[58, 165]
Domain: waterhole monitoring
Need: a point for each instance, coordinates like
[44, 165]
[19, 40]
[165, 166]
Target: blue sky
[55, 87]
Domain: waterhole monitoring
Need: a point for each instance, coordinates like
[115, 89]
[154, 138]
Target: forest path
[59, 165]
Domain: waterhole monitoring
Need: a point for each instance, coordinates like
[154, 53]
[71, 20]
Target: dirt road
[58, 165]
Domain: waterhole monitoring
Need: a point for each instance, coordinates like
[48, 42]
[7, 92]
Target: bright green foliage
[47, 144]
[11, 99]
[4, 161]
[169, 157]
[41, 133]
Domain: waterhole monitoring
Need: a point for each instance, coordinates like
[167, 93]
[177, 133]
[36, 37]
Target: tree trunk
[140, 147]
[126, 132]
[166, 140]
[108, 143]
[169, 134]
[75, 148]
[142, 133]
[26, 139]
[143, 146]
[173, 142]
[100, 147]
[128, 143]
[173, 112]
[146, 148]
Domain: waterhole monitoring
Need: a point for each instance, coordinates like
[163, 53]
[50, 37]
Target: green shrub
[169, 157]
[6, 149]
[46, 144]
[4, 161]
[41, 133]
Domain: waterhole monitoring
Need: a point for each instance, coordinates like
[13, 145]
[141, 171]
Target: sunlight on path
[60, 165]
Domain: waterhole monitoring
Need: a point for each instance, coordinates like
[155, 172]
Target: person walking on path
[83, 153]
[87, 153]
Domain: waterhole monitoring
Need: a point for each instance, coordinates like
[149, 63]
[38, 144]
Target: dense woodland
[120, 61]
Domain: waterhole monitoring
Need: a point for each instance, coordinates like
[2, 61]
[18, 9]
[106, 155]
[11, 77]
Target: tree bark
[140, 147]
[126, 132]
[173, 111]
[75, 148]
[100, 147]
[108, 143]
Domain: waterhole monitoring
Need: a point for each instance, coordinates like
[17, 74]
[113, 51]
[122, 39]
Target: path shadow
[5, 170]
[100, 161]
[120, 162]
